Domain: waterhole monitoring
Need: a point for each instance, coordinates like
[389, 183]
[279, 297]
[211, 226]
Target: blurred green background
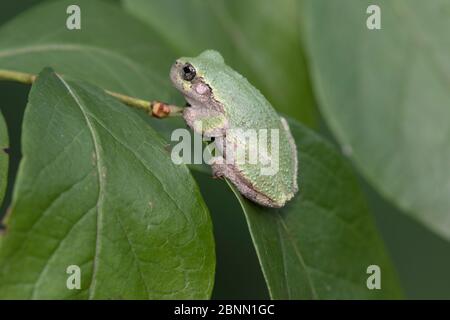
[421, 257]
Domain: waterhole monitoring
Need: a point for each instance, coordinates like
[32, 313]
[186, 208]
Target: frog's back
[246, 108]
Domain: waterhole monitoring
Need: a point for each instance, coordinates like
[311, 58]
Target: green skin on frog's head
[221, 99]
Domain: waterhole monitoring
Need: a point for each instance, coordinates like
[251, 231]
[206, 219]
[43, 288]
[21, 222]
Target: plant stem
[17, 76]
[154, 108]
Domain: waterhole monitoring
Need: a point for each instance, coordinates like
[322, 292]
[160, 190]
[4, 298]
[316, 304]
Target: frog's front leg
[208, 122]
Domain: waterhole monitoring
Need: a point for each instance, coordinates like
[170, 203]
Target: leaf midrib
[298, 255]
[101, 182]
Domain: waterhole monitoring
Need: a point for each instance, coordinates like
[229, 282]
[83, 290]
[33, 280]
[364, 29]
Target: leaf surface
[321, 243]
[96, 188]
[385, 94]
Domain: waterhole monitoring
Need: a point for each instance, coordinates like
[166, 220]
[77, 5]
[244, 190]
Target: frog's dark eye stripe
[188, 72]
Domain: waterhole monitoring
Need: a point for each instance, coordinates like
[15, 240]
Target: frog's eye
[188, 72]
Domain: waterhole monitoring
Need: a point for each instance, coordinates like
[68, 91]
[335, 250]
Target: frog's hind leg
[221, 169]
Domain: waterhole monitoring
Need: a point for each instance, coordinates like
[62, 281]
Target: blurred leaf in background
[260, 41]
[385, 95]
[4, 158]
[420, 256]
[136, 63]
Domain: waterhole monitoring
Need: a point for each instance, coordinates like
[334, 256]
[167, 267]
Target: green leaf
[320, 244]
[385, 94]
[4, 158]
[96, 188]
[259, 38]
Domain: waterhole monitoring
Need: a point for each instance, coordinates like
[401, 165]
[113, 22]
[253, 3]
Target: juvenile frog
[226, 104]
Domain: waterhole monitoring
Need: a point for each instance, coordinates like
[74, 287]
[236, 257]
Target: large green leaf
[320, 245]
[385, 94]
[96, 188]
[4, 147]
[258, 38]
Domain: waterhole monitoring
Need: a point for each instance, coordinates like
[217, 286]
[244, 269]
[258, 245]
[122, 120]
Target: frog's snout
[175, 75]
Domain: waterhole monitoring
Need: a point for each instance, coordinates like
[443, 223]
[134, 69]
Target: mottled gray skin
[223, 99]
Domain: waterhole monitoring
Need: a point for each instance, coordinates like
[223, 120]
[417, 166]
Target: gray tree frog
[223, 100]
